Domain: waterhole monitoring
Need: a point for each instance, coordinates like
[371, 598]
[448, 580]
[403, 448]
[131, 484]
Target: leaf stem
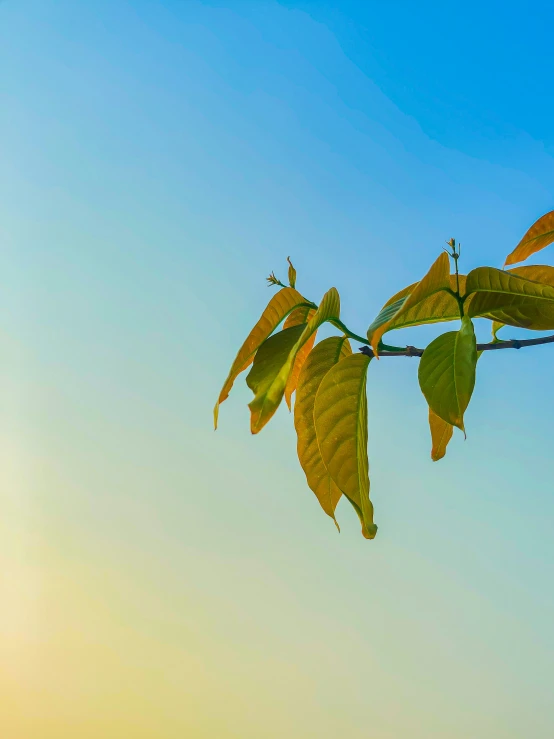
[339, 324]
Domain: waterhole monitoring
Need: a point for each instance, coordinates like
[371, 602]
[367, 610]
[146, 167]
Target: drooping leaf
[441, 306]
[267, 399]
[340, 416]
[447, 373]
[292, 274]
[441, 433]
[438, 278]
[271, 356]
[325, 355]
[540, 234]
[299, 360]
[280, 305]
[300, 315]
[510, 298]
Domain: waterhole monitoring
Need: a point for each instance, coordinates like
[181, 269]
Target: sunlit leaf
[268, 399]
[441, 433]
[325, 355]
[340, 416]
[497, 281]
[538, 273]
[441, 306]
[540, 234]
[271, 356]
[300, 315]
[438, 278]
[292, 274]
[510, 298]
[495, 328]
[521, 313]
[299, 360]
[280, 305]
[447, 373]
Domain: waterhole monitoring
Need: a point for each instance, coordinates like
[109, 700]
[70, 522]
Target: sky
[159, 160]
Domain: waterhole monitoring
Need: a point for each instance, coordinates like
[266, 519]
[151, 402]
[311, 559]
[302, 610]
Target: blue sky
[160, 159]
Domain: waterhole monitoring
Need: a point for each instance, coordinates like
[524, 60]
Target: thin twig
[412, 351]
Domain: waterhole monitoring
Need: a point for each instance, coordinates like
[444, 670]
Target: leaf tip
[288, 400]
[369, 531]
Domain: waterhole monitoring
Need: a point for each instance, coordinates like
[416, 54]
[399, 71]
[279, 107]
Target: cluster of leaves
[330, 409]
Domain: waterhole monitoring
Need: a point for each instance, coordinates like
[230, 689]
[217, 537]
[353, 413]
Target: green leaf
[540, 234]
[440, 306]
[267, 399]
[325, 355]
[509, 298]
[526, 316]
[441, 433]
[301, 356]
[280, 305]
[489, 280]
[292, 274]
[438, 278]
[299, 315]
[340, 416]
[271, 356]
[447, 373]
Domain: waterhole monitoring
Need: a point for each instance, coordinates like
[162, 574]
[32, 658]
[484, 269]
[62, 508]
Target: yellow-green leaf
[300, 315]
[495, 328]
[501, 282]
[522, 313]
[447, 373]
[441, 433]
[280, 305]
[271, 356]
[540, 234]
[438, 278]
[441, 306]
[325, 355]
[340, 416]
[510, 298]
[267, 399]
[299, 361]
[538, 273]
[292, 274]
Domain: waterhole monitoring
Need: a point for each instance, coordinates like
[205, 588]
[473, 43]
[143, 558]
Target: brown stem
[412, 351]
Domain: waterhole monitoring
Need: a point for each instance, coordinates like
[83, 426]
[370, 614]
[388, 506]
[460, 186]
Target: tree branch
[412, 351]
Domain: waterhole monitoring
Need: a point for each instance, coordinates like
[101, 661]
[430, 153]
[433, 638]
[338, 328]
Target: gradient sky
[158, 579]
